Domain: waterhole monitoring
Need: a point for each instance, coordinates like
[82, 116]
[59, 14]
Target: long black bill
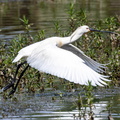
[102, 31]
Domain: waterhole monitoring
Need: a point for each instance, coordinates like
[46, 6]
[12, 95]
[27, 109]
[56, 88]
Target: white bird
[57, 56]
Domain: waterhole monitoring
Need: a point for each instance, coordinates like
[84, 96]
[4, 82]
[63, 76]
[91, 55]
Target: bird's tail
[17, 58]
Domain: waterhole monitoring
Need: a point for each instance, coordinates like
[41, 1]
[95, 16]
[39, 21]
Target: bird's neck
[73, 37]
[70, 39]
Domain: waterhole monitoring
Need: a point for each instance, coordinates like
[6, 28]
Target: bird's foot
[12, 92]
[8, 86]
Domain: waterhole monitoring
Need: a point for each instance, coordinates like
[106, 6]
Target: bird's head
[79, 32]
[84, 29]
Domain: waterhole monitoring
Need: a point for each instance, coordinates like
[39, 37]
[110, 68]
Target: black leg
[18, 67]
[14, 79]
[15, 87]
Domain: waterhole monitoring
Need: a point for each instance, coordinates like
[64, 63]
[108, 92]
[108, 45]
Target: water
[44, 107]
[43, 13]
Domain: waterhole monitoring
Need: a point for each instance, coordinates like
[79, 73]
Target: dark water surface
[43, 13]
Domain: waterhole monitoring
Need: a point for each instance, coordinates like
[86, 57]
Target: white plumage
[57, 56]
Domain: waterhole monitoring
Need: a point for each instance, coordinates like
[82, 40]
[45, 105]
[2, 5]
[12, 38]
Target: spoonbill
[57, 56]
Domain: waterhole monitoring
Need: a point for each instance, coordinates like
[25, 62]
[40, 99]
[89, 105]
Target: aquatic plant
[26, 25]
[76, 17]
[57, 28]
[85, 103]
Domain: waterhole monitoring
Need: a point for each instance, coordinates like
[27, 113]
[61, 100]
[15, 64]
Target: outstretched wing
[88, 61]
[64, 64]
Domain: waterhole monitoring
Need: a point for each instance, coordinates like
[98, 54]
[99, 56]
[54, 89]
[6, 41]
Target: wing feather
[65, 64]
[88, 61]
